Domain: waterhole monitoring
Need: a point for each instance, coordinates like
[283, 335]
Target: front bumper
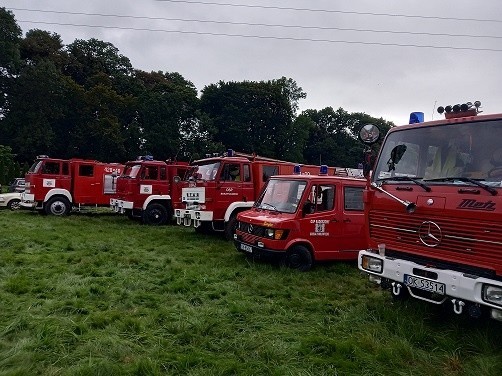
[120, 206]
[457, 285]
[257, 250]
[189, 217]
[28, 201]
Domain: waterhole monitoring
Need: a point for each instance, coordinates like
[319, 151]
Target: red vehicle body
[145, 190]
[211, 197]
[304, 219]
[435, 220]
[55, 186]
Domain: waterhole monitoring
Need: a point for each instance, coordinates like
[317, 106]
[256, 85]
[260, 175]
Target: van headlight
[372, 264]
[276, 234]
[492, 294]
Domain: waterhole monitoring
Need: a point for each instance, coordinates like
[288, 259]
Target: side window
[231, 172]
[322, 197]
[269, 171]
[246, 173]
[86, 170]
[51, 168]
[149, 173]
[163, 173]
[353, 198]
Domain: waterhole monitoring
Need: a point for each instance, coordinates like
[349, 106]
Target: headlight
[275, 234]
[492, 294]
[372, 264]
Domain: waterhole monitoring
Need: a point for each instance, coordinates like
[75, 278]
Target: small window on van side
[353, 198]
[269, 171]
[86, 170]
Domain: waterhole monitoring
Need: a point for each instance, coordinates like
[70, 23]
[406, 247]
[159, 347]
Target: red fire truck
[433, 204]
[218, 188]
[144, 190]
[55, 186]
[305, 218]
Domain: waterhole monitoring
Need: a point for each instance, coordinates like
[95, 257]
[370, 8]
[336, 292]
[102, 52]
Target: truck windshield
[207, 171]
[443, 154]
[35, 167]
[131, 171]
[281, 195]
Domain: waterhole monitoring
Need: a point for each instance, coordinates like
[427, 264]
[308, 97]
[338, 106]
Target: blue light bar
[323, 170]
[230, 153]
[416, 117]
[297, 170]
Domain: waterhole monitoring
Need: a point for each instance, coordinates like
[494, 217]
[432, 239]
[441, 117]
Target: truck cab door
[229, 188]
[86, 185]
[322, 223]
[353, 236]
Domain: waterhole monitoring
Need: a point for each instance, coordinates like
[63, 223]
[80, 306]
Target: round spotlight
[464, 107]
[448, 109]
[456, 108]
[440, 109]
[477, 104]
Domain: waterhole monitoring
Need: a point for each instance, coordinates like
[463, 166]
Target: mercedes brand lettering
[430, 234]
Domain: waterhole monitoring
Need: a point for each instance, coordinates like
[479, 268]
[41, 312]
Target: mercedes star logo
[430, 234]
[250, 228]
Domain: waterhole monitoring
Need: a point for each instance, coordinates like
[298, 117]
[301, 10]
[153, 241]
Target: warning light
[297, 170]
[323, 170]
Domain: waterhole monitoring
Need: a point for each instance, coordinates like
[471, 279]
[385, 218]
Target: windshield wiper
[407, 178]
[493, 191]
[267, 204]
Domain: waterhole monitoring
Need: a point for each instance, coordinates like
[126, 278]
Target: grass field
[102, 295]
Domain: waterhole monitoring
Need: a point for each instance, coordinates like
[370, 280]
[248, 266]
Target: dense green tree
[40, 45]
[333, 136]
[255, 117]
[10, 37]
[9, 168]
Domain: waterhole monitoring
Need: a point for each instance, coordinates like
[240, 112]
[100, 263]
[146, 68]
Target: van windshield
[281, 195]
[454, 153]
[35, 167]
[206, 172]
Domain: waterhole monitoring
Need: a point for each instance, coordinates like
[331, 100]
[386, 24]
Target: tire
[14, 204]
[155, 215]
[299, 258]
[230, 227]
[59, 206]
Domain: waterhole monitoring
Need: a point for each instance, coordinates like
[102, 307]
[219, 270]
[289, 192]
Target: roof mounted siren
[416, 117]
[460, 110]
[323, 170]
[297, 169]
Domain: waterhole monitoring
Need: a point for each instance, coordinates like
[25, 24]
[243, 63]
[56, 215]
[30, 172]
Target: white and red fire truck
[303, 219]
[434, 209]
[218, 188]
[56, 186]
[145, 189]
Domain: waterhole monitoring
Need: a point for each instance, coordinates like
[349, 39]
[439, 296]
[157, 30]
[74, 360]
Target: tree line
[85, 100]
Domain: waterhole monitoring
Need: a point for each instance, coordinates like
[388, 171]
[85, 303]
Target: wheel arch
[58, 192]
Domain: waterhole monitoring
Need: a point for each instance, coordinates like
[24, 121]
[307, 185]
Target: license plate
[424, 284]
[246, 248]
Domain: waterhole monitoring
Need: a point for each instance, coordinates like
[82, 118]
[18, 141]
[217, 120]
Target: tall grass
[103, 295]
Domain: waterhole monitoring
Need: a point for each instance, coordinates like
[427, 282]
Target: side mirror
[308, 208]
[176, 179]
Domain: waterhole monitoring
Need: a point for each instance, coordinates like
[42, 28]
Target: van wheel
[155, 215]
[230, 227]
[14, 204]
[299, 258]
[57, 206]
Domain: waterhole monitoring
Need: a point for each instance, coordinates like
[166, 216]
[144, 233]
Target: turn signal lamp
[297, 170]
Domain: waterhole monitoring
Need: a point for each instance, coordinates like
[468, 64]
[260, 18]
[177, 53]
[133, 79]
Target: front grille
[478, 243]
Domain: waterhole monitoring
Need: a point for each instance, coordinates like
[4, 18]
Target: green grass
[103, 295]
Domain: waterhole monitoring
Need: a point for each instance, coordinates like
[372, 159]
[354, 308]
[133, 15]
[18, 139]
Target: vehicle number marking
[246, 248]
[424, 284]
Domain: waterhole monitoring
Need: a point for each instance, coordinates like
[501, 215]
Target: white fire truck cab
[303, 219]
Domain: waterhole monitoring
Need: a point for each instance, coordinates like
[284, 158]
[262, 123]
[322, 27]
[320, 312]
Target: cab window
[86, 170]
[322, 197]
[50, 168]
[353, 198]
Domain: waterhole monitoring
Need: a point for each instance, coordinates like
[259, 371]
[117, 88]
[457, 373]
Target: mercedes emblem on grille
[430, 234]
[250, 228]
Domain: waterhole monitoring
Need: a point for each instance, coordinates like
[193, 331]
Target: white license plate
[424, 284]
[246, 248]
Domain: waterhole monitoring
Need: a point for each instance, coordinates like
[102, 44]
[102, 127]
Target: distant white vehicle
[10, 200]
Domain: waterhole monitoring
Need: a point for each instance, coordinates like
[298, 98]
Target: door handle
[347, 220]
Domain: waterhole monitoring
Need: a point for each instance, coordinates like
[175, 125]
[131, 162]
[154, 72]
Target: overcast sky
[385, 58]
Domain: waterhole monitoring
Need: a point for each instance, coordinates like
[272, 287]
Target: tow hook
[396, 288]
[458, 306]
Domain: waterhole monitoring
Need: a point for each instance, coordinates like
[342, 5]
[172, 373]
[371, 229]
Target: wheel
[14, 204]
[230, 227]
[299, 258]
[57, 206]
[155, 215]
